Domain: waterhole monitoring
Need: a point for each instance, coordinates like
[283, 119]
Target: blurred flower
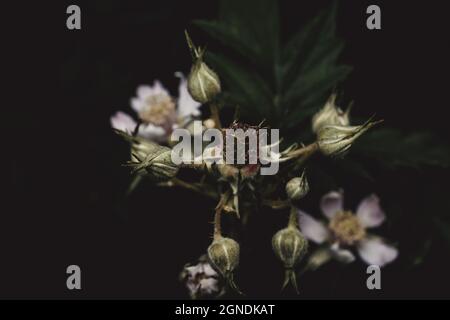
[201, 280]
[345, 230]
[297, 187]
[330, 115]
[157, 111]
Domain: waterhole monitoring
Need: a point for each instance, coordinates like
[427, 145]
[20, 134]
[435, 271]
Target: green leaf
[391, 147]
[246, 89]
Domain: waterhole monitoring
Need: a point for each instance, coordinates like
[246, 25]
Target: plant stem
[215, 115]
[217, 215]
[293, 222]
[306, 151]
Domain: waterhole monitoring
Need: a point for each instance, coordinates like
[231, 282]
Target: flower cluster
[240, 190]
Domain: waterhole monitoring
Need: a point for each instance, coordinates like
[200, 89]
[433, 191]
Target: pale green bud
[223, 254]
[297, 187]
[290, 246]
[203, 83]
[330, 115]
[336, 140]
[150, 159]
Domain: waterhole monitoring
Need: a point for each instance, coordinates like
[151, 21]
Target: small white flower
[157, 111]
[345, 230]
[201, 280]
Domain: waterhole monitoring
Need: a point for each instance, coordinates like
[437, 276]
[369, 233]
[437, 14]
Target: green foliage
[284, 84]
[392, 147]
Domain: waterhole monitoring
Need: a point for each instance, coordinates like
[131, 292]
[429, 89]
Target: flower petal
[311, 228]
[122, 121]
[369, 212]
[209, 285]
[152, 132]
[143, 91]
[186, 105]
[342, 255]
[137, 104]
[332, 203]
[208, 270]
[375, 251]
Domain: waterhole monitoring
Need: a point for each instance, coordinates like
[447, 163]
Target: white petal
[208, 270]
[186, 105]
[137, 104]
[311, 228]
[342, 255]
[122, 121]
[152, 132]
[209, 285]
[332, 203]
[369, 212]
[143, 91]
[194, 270]
[375, 251]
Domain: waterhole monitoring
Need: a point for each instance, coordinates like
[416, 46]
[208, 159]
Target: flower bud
[289, 246]
[150, 159]
[203, 83]
[297, 187]
[336, 140]
[223, 254]
[330, 115]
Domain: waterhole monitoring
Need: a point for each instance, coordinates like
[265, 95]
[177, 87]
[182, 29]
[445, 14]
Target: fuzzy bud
[150, 159]
[203, 83]
[330, 115]
[289, 246]
[336, 140]
[298, 187]
[223, 254]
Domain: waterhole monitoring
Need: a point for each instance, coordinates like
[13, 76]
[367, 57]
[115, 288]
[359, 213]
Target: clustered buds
[203, 82]
[150, 159]
[290, 246]
[330, 115]
[297, 187]
[223, 254]
[336, 140]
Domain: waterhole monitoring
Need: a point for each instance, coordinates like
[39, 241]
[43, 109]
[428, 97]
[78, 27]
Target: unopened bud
[223, 255]
[150, 159]
[203, 83]
[336, 140]
[330, 115]
[289, 246]
[297, 187]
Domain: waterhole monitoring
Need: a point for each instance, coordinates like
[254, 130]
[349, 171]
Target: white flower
[201, 280]
[157, 111]
[345, 230]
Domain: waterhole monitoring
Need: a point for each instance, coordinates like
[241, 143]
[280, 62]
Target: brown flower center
[159, 110]
[346, 228]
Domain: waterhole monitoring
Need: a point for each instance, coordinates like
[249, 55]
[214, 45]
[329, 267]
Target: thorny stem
[293, 218]
[217, 216]
[215, 115]
[304, 152]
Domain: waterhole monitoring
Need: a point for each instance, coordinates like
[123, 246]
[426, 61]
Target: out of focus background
[64, 186]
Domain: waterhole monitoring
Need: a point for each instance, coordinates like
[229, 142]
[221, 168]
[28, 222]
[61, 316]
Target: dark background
[64, 188]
